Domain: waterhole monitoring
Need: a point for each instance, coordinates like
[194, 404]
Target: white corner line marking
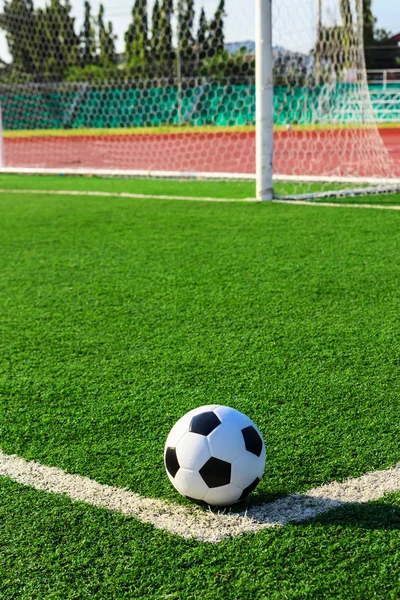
[193, 522]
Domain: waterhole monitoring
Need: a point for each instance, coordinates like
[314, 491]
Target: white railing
[386, 77]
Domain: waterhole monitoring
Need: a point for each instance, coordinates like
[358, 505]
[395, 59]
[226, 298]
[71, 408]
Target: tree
[238, 68]
[62, 44]
[19, 21]
[88, 38]
[107, 52]
[185, 30]
[380, 51]
[216, 38]
[155, 32]
[166, 50]
[136, 37]
[43, 43]
[369, 24]
[202, 36]
[346, 14]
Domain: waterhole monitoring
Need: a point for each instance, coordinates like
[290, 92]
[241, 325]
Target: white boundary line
[192, 522]
[336, 204]
[128, 173]
[194, 198]
[124, 195]
[196, 175]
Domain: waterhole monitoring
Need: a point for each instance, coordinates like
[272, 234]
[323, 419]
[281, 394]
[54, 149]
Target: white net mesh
[164, 88]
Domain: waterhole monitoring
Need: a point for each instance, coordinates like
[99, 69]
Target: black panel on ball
[252, 440]
[171, 461]
[250, 488]
[204, 423]
[216, 472]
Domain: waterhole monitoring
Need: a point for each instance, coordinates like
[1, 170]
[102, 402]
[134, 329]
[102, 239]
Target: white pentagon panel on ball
[190, 484]
[223, 496]
[192, 451]
[226, 442]
[247, 468]
[182, 426]
[200, 409]
[232, 417]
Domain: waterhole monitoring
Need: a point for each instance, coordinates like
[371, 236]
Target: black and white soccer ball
[215, 454]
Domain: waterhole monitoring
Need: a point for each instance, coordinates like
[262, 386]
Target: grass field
[118, 315]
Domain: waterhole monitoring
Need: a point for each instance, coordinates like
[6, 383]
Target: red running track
[324, 152]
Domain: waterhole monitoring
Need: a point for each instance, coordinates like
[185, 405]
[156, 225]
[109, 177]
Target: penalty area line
[193, 522]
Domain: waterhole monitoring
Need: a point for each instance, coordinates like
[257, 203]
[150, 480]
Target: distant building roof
[395, 38]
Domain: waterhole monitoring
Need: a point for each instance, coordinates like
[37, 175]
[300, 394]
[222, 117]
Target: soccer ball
[215, 454]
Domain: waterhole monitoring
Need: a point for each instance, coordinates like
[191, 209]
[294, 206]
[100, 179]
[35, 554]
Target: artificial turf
[119, 315]
[239, 190]
[52, 548]
[199, 189]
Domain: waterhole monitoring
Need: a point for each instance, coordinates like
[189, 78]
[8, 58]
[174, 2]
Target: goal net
[160, 88]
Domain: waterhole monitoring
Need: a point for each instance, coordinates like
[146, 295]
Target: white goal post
[264, 101]
[275, 93]
[354, 64]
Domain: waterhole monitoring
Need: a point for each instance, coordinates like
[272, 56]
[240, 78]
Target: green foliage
[19, 21]
[155, 44]
[44, 45]
[88, 38]
[136, 37]
[334, 43]
[369, 23]
[166, 49]
[380, 52]
[216, 40]
[185, 30]
[346, 14]
[223, 67]
[202, 41]
[42, 42]
[107, 52]
[334, 48]
[104, 72]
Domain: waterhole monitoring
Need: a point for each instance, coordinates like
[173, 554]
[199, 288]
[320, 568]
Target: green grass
[119, 315]
[199, 189]
[54, 549]
[212, 189]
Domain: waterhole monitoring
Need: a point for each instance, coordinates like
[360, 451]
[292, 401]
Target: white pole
[179, 65]
[318, 45]
[264, 100]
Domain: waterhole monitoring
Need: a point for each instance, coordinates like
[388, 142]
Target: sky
[294, 20]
